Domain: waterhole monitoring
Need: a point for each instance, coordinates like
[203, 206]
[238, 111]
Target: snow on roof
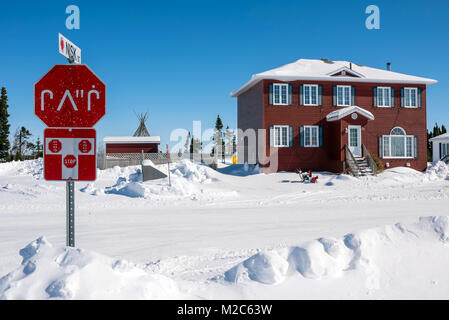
[341, 113]
[153, 139]
[441, 137]
[308, 69]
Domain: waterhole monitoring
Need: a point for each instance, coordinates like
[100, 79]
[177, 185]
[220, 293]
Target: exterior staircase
[360, 166]
[364, 168]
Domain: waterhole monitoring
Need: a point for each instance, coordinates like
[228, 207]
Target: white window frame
[310, 95]
[280, 85]
[281, 145]
[310, 145]
[406, 137]
[410, 89]
[343, 97]
[381, 102]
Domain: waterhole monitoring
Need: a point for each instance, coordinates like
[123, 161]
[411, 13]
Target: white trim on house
[280, 86]
[357, 149]
[410, 89]
[281, 136]
[311, 129]
[346, 69]
[343, 97]
[310, 94]
[382, 104]
[115, 140]
[406, 137]
[341, 113]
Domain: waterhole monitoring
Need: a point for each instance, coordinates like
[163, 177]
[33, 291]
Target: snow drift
[326, 258]
[67, 273]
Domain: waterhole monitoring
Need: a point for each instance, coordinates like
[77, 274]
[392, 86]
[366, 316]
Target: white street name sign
[69, 50]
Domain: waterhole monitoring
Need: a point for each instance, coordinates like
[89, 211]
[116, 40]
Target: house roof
[341, 113]
[153, 139]
[325, 70]
[441, 137]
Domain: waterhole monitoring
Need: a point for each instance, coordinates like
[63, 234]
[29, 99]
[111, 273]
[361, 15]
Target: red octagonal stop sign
[70, 161]
[70, 96]
[54, 146]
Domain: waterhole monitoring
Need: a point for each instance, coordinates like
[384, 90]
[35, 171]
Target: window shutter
[415, 153]
[419, 97]
[290, 134]
[320, 95]
[271, 129]
[290, 94]
[301, 95]
[381, 147]
[301, 136]
[334, 95]
[402, 97]
[352, 95]
[393, 96]
[375, 96]
[321, 137]
[270, 93]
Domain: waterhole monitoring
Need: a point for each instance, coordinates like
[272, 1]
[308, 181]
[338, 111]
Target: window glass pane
[386, 97]
[340, 95]
[278, 136]
[314, 94]
[407, 97]
[306, 95]
[397, 132]
[284, 136]
[307, 137]
[413, 98]
[347, 96]
[276, 94]
[409, 146]
[386, 146]
[284, 94]
[397, 146]
[380, 99]
[314, 136]
[353, 137]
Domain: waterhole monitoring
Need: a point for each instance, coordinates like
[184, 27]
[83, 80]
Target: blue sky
[181, 59]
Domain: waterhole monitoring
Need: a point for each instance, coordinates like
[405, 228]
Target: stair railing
[351, 162]
[370, 160]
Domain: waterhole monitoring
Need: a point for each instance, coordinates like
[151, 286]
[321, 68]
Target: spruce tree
[4, 126]
[218, 138]
[186, 144]
[22, 143]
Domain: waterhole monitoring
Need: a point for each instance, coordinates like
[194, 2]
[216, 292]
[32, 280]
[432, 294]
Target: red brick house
[328, 115]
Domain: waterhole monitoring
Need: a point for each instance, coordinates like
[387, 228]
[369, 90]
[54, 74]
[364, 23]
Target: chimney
[350, 65]
[389, 66]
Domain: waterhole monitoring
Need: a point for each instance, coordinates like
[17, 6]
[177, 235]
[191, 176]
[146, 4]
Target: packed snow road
[208, 222]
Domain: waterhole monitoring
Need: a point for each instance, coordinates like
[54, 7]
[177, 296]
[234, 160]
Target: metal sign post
[70, 208]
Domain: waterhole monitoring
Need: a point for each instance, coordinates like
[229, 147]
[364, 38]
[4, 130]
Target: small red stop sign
[85, 146]
[70, 161]
[54, 146]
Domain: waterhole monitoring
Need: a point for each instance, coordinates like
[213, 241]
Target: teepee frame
[142, 130]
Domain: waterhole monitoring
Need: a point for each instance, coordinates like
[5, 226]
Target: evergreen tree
[217, 150]
[38, 151]
[443, 129]
[4, 126]
[229, 134]
[186, 145]
[22, 144]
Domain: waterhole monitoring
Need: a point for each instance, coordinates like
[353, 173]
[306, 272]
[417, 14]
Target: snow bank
[241, 170]
[34, 168]
[437, 171]
[67, 273]
[326, 258]
[187, 178]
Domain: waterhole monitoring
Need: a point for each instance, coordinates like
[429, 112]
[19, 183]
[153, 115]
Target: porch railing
[351, 162]
[370, 160]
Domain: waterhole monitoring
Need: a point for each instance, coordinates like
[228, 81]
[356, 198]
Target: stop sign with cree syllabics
[70, 96]
[69, 154]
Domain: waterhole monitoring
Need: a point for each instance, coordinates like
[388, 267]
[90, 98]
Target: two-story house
[319, 113]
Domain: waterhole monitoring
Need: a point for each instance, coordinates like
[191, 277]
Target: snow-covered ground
[231, 233]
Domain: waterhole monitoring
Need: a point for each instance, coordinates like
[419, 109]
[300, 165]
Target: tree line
[225, 142]
[22, 146]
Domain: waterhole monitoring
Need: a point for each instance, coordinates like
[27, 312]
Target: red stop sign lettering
[54, 146]
[70, 161]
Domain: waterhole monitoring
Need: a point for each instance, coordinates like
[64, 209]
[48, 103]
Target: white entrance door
[355, 140]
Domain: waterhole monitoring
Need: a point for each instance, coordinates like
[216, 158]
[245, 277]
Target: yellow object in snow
[234, 160]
